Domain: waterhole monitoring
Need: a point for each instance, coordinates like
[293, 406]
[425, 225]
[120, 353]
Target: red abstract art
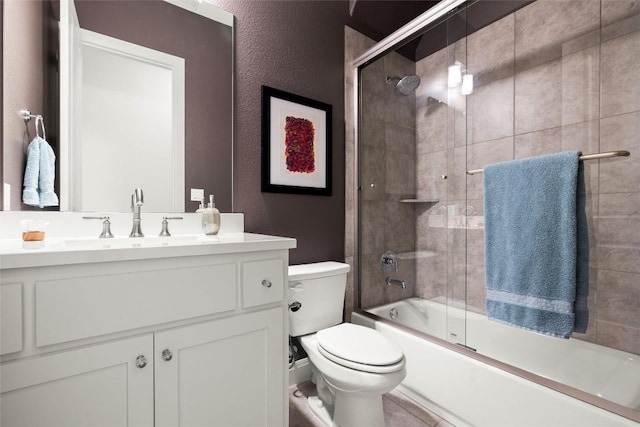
[299, 141]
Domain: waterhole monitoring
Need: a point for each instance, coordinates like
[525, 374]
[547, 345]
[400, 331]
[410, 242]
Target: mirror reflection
[205, 159]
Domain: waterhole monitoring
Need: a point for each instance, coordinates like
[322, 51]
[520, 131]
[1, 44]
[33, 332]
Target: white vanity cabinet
[99, 385]
[194, 340]
[224, 373]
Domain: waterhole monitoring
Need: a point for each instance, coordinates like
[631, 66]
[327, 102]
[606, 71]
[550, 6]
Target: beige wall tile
[563, 21]
[372, 281]
[431, 127]
[491, 52]
[430, 168]
[400, 110]
[538, 98]
[584, 137]
[372, 173]
[538, 143]
[619, 231]
[433, 74]
[622, 337]
[620, 204]
[580, 88]
[431, 277]
[372, 224]
[616, 10]
[431, 236]
[400, 226]
[482, 154]
[622, 174]
[620, 85]
[400, 175]
[620, 28]
[619, 297]
[457, 178]
[372, 121]
[399, 139]
[619, 258]
[372, 78]
[490, 112]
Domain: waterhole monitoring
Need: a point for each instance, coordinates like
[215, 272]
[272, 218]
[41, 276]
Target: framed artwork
[296, 144]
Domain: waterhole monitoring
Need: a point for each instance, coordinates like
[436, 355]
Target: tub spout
[401, 283]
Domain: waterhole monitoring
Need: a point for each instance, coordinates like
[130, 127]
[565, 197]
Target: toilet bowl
[352, 365]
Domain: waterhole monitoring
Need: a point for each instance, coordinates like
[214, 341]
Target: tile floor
[399, 410]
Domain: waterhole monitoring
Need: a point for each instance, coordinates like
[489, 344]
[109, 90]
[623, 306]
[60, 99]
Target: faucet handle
[165, 225]
[106, 226]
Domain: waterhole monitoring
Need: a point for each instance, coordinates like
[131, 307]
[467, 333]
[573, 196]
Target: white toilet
[352, 365]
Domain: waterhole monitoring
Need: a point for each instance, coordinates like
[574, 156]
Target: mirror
[202, 36]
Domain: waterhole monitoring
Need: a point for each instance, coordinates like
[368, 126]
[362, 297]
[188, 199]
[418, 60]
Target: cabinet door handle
[266, 283]
[141, 361]
[167, 355]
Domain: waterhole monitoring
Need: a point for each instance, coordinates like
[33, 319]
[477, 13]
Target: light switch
[197, 194]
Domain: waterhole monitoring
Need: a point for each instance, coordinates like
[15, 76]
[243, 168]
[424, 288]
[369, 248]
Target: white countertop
[69, 239]
[14, 253]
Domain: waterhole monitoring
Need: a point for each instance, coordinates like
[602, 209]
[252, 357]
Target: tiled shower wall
[553, 76]
[387, 165]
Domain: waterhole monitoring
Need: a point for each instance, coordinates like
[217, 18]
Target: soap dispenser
[210, 217]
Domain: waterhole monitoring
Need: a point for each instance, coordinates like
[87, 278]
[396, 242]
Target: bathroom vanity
[144, 332]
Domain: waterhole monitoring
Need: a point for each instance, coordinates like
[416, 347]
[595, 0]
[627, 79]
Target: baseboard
[300, 372]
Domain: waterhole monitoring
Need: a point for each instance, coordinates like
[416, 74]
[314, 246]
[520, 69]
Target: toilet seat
[360, 348]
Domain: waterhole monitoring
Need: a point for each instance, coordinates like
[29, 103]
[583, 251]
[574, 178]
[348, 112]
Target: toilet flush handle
[295, 306]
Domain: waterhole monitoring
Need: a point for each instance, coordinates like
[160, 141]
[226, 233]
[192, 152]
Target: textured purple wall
[298, 47]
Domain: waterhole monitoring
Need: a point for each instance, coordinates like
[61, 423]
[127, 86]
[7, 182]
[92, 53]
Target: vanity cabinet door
[103, 385]
[227, 372]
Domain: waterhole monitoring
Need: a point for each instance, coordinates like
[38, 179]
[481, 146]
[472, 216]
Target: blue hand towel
[536, 244]
[39, 175]
[47, 175]
[30, 194]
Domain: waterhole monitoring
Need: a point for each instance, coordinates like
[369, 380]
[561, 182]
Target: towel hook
[27, 116]
[40, 120]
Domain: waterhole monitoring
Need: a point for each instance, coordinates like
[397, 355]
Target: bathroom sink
[142, 242]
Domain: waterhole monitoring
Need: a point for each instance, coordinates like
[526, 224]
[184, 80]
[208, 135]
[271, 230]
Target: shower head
[406, 85]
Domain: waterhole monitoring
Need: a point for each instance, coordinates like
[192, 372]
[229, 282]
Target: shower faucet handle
[389, 262]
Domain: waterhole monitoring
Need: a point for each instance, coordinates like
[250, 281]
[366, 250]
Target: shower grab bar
[596, 156]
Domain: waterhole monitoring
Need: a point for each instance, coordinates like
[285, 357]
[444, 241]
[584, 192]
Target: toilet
[352, 366]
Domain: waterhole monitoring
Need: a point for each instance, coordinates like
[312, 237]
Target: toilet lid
[352, 345]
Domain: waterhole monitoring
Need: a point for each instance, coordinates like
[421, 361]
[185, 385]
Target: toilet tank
[320, 289]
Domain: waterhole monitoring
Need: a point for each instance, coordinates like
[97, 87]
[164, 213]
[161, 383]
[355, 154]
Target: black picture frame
[296, 144]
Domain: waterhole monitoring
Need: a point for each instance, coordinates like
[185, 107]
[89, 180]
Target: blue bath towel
[536, 244]
[39, 175]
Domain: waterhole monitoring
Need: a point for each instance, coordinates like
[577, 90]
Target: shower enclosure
[481, 82]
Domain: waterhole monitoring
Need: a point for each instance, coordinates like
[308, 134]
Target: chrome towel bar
[596, 156]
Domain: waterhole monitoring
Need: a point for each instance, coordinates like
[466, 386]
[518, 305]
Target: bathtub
[468, 391]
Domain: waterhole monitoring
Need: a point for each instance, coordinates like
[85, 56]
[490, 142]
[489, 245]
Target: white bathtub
[466, 391]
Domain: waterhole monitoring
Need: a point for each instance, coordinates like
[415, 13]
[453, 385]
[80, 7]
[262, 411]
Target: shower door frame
[381, 48]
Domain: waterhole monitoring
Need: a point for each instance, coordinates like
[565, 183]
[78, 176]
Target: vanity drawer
[262, 282]
[82, 307]
[10, 318]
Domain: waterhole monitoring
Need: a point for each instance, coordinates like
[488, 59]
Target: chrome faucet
[137, 200]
